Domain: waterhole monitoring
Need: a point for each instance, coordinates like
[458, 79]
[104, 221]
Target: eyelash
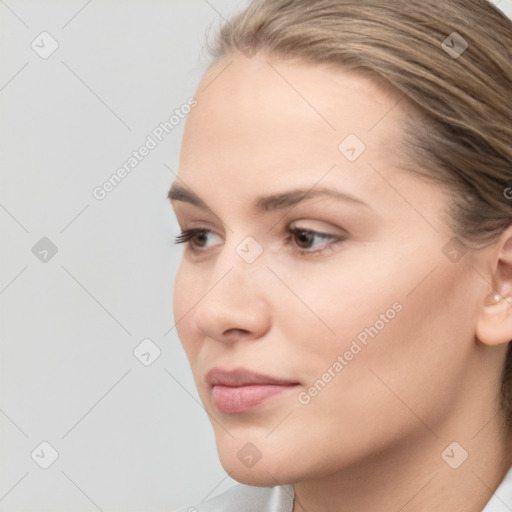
[189, 234]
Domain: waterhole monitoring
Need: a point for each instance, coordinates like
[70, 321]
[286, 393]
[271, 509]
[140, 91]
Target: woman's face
[369, 319]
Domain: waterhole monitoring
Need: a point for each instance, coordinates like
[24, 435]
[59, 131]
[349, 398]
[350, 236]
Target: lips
[240, 390]
[242, 377]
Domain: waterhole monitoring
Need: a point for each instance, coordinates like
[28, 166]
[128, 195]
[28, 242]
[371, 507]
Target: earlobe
[494, 323]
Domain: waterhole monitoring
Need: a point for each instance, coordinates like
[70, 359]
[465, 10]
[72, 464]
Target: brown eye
[200, 237]
[304, 238]
[196, 238]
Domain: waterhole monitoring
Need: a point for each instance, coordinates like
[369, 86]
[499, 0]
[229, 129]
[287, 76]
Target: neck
[417, 476]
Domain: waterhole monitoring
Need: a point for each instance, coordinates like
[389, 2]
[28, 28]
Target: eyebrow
[268, 203]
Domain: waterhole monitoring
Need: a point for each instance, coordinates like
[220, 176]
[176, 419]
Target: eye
[306, 237]
[300, 240]
[199, 235]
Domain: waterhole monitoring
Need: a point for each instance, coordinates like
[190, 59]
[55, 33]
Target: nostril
[235, 332]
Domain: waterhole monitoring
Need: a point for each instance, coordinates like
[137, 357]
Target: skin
[373, 438]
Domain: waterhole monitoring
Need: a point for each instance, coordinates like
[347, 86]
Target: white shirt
[245, 498]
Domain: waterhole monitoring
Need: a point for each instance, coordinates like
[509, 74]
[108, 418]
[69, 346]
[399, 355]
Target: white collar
[501, 500]
[244, 498]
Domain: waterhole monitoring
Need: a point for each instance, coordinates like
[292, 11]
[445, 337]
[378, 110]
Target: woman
[345, 292]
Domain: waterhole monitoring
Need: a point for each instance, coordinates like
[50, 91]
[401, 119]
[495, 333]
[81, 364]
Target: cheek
[402, 349]
[184, 300]
[336, 305]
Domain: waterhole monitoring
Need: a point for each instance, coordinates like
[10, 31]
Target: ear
[494, 323]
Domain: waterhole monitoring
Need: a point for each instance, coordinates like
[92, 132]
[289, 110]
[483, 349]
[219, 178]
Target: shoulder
[246, 498]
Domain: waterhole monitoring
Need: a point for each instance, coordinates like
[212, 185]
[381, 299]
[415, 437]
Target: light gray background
[129, 437]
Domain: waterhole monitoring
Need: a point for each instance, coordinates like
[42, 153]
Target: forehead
[248, 101]
[263, 120]
[315, 92]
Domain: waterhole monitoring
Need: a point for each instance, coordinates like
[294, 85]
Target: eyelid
[188, 234]
[334, 231]
[295, 226]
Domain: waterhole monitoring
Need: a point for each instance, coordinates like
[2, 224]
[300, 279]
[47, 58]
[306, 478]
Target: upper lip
[242, 377]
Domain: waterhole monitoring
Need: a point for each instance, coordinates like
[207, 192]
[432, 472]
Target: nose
[235, 303]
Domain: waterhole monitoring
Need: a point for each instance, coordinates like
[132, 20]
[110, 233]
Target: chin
[256, 479]
[247, 465]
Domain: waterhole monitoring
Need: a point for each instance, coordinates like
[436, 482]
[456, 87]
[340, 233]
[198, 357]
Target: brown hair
[463, 99]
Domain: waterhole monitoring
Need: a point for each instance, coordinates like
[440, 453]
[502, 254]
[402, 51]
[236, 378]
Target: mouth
[240, 390]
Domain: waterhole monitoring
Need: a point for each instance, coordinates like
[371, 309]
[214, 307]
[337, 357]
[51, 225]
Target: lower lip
[238, 399]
